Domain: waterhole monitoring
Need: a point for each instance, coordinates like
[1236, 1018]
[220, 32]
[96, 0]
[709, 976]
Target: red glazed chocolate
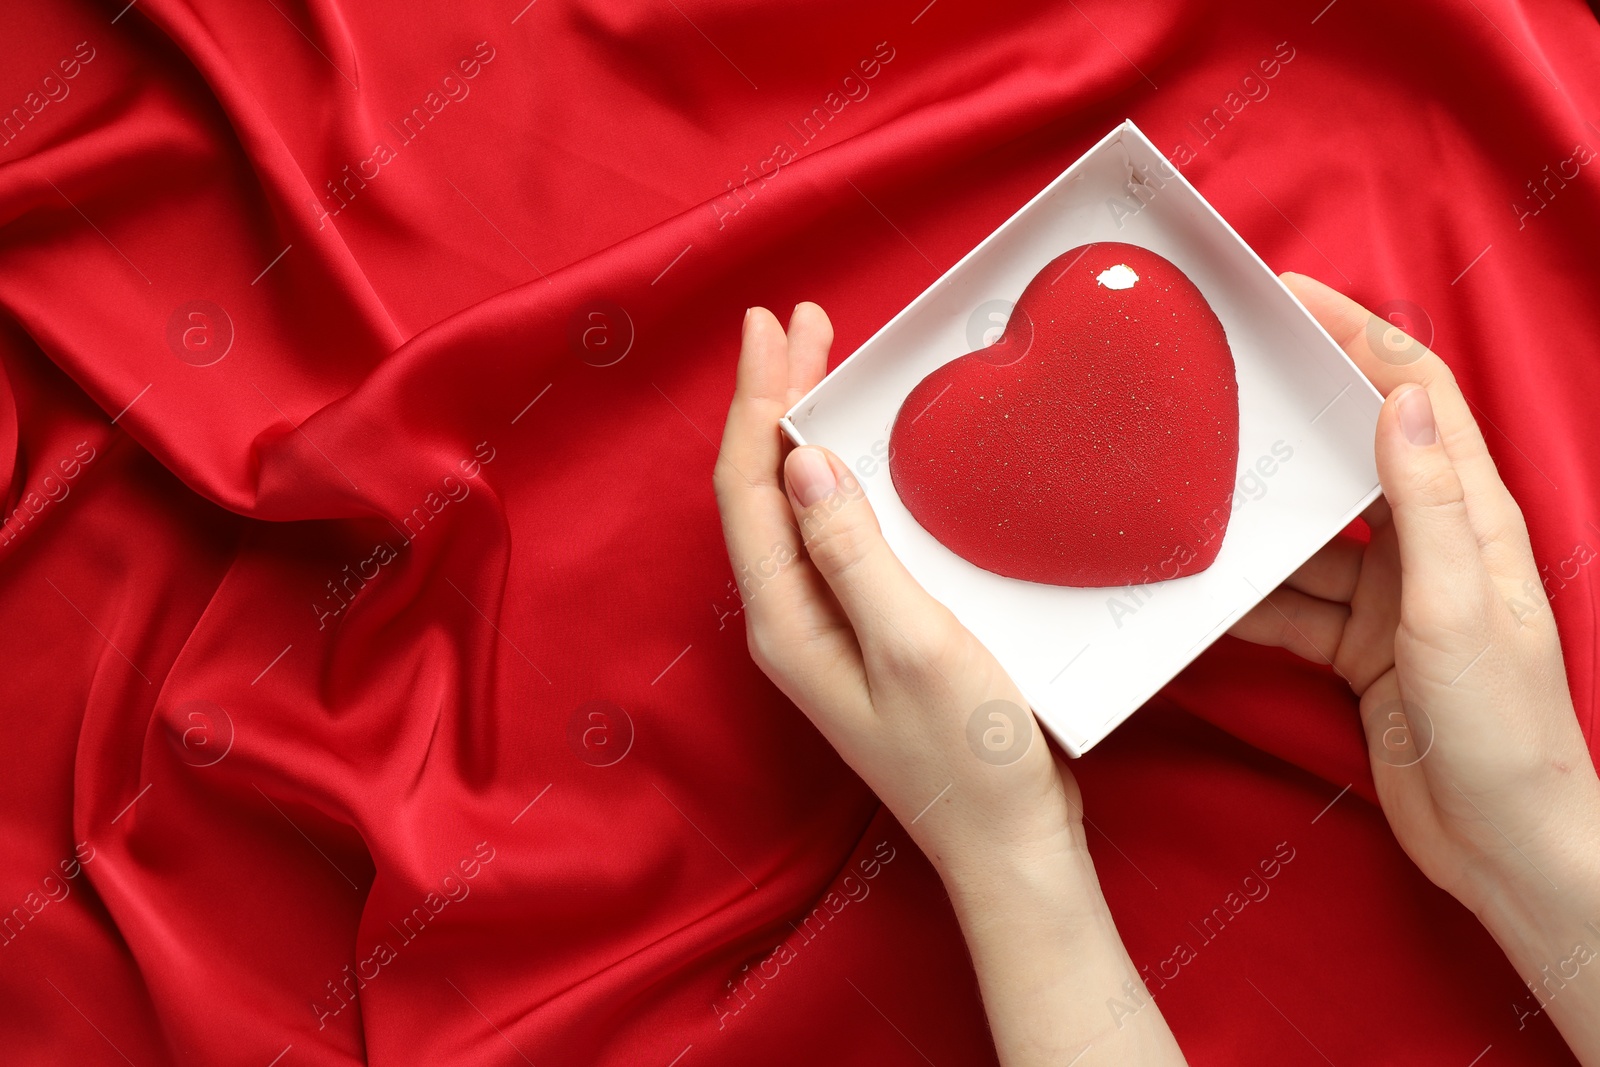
[1095, 443]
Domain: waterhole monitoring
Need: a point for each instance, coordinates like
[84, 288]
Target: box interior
[1087, 658]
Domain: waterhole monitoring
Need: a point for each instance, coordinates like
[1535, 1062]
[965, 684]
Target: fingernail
[811, 476]
[1416, 417]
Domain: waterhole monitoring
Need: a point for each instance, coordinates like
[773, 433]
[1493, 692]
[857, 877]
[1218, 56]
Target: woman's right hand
[929, 719]
[1442, 627]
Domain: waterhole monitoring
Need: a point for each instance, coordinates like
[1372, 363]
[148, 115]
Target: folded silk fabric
[375, 686]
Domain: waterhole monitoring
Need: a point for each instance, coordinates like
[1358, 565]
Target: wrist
[1053, 883]
[1055, 976]
[1545, 896]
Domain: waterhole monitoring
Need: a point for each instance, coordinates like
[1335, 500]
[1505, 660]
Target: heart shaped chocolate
[1095, 443]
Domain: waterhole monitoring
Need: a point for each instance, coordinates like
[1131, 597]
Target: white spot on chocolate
[1119, 277]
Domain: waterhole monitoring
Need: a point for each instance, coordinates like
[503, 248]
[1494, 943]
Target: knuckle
[1435, 486]
[763, 650]
[1439, 374]
[1506, 545]
[1287, 617]
[1514, 527]
[916, 650]
[946, 641]
[727, 477]
[1448, 620]
[839, 539]
[1516, 521]
[898, 658]
[924, 641]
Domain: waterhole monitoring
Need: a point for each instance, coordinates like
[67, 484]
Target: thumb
[846, 546]
[1441, 565]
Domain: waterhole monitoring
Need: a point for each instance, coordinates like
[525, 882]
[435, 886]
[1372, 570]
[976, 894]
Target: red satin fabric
[395, 590]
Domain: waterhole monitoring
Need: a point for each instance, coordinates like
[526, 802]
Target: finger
[756, 520]
[1400, 734]
[1389, 358]
[1332, 573]
[810, 338]
[1367, 649]
[847, 548]
[1377, 514]
[1287, 618]
[750, 438]
[1442, 573]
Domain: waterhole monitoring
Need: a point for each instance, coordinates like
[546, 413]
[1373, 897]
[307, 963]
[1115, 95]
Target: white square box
[1087, 658]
